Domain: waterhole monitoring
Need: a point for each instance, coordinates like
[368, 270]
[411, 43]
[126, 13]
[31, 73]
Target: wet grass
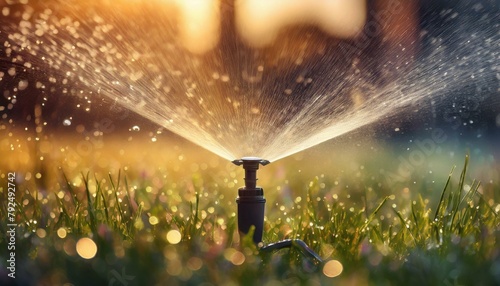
[185, 233]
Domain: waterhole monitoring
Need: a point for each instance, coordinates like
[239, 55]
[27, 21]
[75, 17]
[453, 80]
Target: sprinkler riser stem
[251, 205]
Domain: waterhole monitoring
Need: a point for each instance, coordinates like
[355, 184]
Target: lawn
[136, 216]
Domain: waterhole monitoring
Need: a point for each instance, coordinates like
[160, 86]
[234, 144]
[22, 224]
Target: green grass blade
[92, 218]
[373, 214]
[441, 200]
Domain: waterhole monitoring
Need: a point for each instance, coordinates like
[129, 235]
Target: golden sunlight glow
[199, 24]
[86, 248]
[259, 21]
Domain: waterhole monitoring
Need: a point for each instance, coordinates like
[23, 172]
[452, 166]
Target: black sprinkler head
[251, 205]
[251, 201]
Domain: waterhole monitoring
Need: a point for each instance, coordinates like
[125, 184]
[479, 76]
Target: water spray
[251, 205]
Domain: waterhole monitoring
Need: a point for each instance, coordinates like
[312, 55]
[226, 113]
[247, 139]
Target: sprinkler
[251, 201]
[251, 205]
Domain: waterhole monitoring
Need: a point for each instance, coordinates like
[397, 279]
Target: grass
[185, 233]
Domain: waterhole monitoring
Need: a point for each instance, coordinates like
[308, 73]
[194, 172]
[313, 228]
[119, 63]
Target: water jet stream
[233, 99]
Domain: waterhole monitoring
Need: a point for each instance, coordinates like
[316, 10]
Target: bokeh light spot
[234, 256]
[174, 236]
[86, 248]
[238, 258]
[69, 247]
[333, 268]
[61, 232]
[153, 220]
[194, 263]
[41, 232]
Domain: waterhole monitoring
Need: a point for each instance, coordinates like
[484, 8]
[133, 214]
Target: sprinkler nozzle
[251, 165]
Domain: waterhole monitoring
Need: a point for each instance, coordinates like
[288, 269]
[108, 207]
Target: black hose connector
[250, 200]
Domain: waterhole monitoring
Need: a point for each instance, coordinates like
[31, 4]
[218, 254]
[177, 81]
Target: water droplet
[66, 122]
[135, 128]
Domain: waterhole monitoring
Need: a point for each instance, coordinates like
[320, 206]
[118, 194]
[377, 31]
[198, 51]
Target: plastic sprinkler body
[251, 205]
[250, 200]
